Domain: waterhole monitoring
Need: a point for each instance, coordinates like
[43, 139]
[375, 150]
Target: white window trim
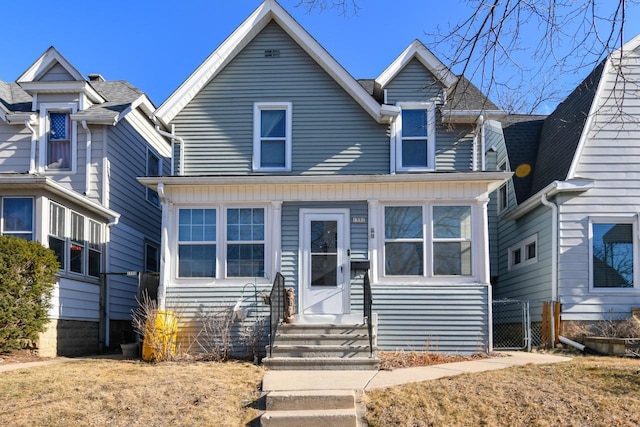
[428, 275]
[257, 151]
[623, 219]
[502, 166]
[146, 169]
[70, 107]
[33, 217]
[431, 135]
[221, 247]
[522, 246]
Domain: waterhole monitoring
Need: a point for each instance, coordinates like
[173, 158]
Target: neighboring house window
[153, 169]
[95, 249]
[525, 252]
[503, 194]
[613, 254]
[197, 243]
[152, 258]
[406, 241]
[272, 136]
[59, 143]
[57, 232]
[76, 244]
[58, 137]
[415, 137]
[245, 242]
[452, 240]
[17, 217]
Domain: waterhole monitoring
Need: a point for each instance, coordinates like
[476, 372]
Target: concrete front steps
[311, 346]
[317, 408]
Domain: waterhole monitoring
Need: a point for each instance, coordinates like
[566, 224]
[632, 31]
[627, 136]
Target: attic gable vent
[272, 53]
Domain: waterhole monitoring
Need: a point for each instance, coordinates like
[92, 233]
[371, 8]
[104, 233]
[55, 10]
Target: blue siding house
[284, 163]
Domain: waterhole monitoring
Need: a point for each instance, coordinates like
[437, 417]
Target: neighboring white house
[570, 232]
[70, 152]
[285, 163]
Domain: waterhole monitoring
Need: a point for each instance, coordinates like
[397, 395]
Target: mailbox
[360, 265]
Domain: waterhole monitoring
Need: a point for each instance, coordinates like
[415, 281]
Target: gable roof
[420, 52]
[112, 100]
[562, 131]
[267, 12]
[521, 135]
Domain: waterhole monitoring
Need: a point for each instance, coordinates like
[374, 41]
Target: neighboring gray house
[285, 163]
[70, 152]
[568, 230]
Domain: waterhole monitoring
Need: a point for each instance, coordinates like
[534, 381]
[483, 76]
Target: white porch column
[374, 237]
[276, 236]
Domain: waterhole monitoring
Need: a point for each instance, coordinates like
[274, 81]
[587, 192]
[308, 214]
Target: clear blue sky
[155, 45]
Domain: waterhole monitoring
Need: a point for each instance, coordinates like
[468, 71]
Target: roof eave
[471, 116]
[551, 190]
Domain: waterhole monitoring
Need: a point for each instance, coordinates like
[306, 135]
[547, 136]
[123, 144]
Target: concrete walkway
[369, 380]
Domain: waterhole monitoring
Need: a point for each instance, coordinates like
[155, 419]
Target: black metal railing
[368, 302]
[277, 302]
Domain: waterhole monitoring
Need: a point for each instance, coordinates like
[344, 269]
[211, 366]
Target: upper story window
[154, 168]
[17, 217]
[272, 136]
[613, 253]
[58, 137]
[415, 137]
[503, 193]
[427, 240]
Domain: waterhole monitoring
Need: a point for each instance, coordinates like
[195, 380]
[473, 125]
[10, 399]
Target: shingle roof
[118, 94]
[561, 133]
[14, 98]
[522, 134]
[464, 95]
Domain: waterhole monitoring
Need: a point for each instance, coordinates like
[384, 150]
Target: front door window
[324, 253]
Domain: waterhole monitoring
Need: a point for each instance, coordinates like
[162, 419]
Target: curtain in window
[59, 141]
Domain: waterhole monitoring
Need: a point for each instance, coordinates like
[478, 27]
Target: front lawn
[103, 392]
[587, 391]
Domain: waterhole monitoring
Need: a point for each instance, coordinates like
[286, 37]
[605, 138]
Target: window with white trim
[428, 240]
[17, 217]
[245, 242]
[197, 243]
[272, 136]
[224, 242]
[76, 240]
[95, 249]
[154, 168]
[415, 137]
[523, 253]
[613, 253]
[503, 194]
[58, 138]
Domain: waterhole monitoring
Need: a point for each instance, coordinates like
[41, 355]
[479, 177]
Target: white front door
[324, 263]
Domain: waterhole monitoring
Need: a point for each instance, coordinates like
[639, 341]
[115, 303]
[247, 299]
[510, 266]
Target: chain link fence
[521, 325]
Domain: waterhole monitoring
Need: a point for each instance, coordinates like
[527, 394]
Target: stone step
[344, 351]
[321, 363]
[322, 339]
[310, 400]
[320, 328]
[315, 418]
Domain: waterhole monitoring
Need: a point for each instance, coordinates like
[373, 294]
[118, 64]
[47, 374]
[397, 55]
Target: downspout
[474, 151]
[554, 254]
[87, 174]
[34, 140]
[482, 144]
[105, 317]
[173, 138]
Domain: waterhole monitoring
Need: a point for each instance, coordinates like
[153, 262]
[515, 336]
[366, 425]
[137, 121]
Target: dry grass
[603, 391]
[390, 360]
[104, 392]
